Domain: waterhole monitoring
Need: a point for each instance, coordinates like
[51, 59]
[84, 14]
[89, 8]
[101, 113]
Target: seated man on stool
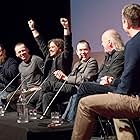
[110, 70]
[59, 56]
[8, 71]
[30, 70]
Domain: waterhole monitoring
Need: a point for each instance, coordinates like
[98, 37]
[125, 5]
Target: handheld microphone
[10, 83]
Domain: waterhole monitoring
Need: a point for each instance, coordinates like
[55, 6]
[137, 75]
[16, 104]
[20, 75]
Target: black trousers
[48, 91]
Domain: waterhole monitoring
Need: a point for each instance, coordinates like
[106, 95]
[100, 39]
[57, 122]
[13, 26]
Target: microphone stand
[39, 87]
[16, 91]
[13, 95]
[9, 83]
[75, 71]
[52, 100]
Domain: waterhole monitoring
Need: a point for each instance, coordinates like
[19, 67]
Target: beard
[2, 58]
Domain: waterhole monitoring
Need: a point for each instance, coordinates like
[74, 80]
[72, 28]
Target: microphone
[10, 83]
[39, 87]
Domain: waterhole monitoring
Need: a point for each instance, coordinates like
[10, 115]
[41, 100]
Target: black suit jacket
[62, 62]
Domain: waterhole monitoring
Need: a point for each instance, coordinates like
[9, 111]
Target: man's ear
[4, 51]
[17, 55]
[60, 50]
[27, 50]
[127, 24]
[76, 51]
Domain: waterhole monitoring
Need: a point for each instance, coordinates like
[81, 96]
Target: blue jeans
[85, 89]
[69, 113]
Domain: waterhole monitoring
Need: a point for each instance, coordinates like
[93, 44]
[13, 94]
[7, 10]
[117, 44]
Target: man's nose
[82, 51]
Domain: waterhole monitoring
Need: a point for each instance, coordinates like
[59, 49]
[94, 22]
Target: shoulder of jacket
[119, 53]
[92, 59]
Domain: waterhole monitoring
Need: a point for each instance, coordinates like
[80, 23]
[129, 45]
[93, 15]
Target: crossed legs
[107, 105]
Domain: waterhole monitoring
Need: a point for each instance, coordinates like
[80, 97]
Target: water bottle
[22, 110]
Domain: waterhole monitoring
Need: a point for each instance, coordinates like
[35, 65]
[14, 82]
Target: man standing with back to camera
[124, 102]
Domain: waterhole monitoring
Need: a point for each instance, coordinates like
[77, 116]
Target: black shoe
[4, 101]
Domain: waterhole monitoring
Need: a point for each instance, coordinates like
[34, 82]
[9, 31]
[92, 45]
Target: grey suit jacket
[83, 71]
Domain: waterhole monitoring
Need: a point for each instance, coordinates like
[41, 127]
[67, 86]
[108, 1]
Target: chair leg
[111, 127]
[107, 129]
[135, 130]
[102, 127]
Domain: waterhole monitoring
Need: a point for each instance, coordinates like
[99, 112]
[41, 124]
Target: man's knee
[82, 89]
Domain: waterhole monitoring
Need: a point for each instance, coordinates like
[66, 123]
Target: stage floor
[33, 130]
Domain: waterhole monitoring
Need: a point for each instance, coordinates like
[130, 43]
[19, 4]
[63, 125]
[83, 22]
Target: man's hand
[64, 23]
[31, 24]
[60, 75]
[106, 80]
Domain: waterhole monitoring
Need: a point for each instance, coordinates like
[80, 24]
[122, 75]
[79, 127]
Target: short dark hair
[86, 42]
[131, 12]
